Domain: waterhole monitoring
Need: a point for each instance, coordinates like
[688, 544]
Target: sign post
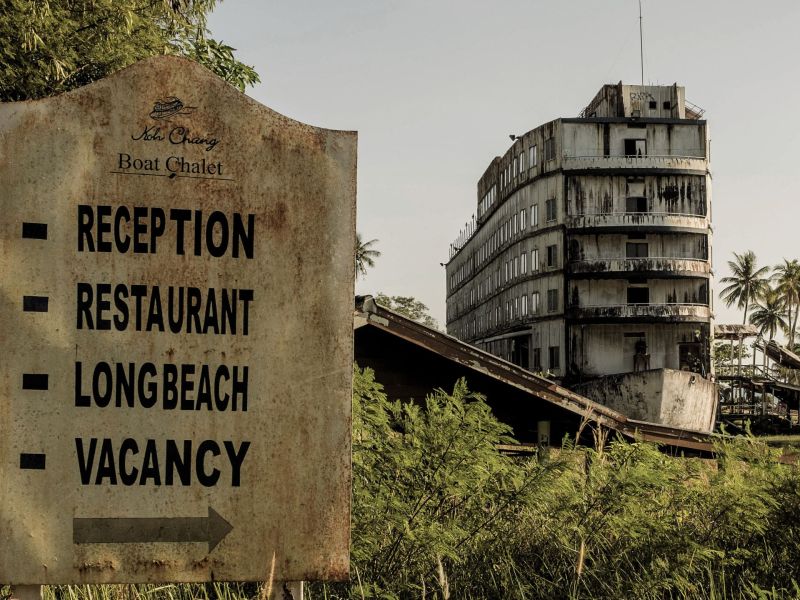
[177, 284]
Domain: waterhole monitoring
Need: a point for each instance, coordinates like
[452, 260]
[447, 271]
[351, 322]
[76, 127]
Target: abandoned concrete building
[589, 256]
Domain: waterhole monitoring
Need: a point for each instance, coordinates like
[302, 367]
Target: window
[532, 156]
[524, 303]
[516, 224]
[516, 307]
[508, 310]
[635, 147]
[535, 303]
[523, 267]
[505, 264]
[523, 223]
[552, 256]
[653, 105]
[516, 167]
[516, 266]
[537, 359]
[550, 148]
[552, 300]
[550, 209]
[522, 161]
[534, 260]
[636, 249]
[554, 356]
[667, 105]
[638, 295]
[636, 205]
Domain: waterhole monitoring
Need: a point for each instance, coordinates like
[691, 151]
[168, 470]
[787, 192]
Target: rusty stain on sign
[177, 279]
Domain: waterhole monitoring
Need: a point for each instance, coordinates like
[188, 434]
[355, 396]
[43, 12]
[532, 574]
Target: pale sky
[434, 88]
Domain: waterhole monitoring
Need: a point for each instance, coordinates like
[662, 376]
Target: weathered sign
[176, 326]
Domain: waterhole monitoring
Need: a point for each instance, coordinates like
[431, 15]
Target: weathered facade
[590, 251]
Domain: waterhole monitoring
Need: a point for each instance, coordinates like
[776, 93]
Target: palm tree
[365, 255]
[768, 314]
[746, 283]
[787, 279]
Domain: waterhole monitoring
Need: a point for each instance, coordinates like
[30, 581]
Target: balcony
[628, 221]
[660, 267]
[686, 163]
[641, 312]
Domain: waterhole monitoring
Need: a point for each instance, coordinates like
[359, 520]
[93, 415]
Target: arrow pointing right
[211, 529]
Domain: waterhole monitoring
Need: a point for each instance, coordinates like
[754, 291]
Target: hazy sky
[434, 88]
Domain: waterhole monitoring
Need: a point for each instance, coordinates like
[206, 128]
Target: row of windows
[506, 231]
[512, 268]
[515, 308]
[513, 226]
[488, 200]
[523, 161]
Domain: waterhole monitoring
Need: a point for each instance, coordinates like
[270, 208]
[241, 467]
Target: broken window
[519, 351]
[636, 205]
[635, 147]
[555, 355]
[638, 295]
[552, 256]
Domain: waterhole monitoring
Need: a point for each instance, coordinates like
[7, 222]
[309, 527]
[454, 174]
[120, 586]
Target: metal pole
[641, 41]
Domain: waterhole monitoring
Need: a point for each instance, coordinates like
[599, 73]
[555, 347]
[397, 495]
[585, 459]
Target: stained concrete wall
[675, 398]
[676, 194]
[613, 292]
[588, 139]
[602, 349]
[664, 245]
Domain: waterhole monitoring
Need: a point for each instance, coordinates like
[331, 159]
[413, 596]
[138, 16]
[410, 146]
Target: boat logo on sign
[169, 107]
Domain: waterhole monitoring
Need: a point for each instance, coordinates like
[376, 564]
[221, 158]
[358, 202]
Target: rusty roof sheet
[733, 331]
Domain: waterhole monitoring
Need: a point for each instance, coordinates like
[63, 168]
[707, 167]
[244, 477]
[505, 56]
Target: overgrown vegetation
[438, 512]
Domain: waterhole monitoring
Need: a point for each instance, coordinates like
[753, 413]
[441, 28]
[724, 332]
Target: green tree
[787, 279]
[408, 306]
[745, 284]
[768, 314]
[365, 255]
[52, 46]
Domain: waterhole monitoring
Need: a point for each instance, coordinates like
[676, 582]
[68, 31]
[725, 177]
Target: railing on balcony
[693, 160]
[633, 219]
[631, 311]
[632, 265]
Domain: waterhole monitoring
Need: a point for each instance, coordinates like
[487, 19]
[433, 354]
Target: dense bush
[438, 512]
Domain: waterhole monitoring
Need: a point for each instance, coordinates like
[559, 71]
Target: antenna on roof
[641, 41]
